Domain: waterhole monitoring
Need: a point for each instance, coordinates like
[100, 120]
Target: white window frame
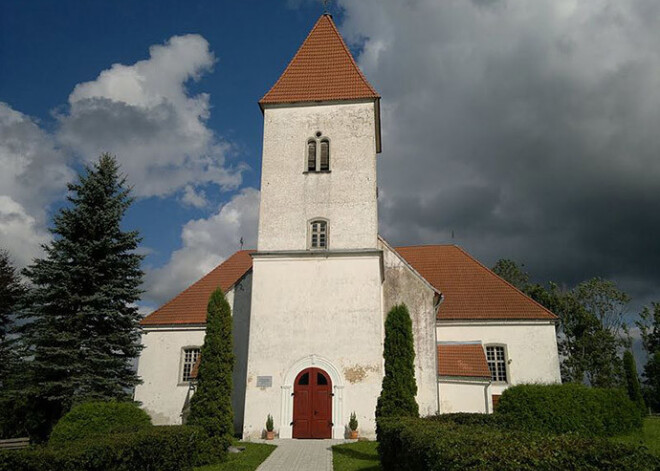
[310, 228]
[317, 162]
[496, 363]
[182, 363]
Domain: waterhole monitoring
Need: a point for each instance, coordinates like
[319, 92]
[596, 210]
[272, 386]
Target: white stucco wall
[160, 393]
[160, 363]
[464, 396]
[322, 310]
[402, 285]
[346, 196]
[531, 347]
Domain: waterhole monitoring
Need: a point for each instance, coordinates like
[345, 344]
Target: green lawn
[358, 456]
[248, 460]
[649, 435]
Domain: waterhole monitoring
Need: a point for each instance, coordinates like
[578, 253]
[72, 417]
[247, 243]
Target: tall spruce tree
[82, 325]
[11, 292]
[397, 397]
[632, 381]
[12, 403]
[210, 406]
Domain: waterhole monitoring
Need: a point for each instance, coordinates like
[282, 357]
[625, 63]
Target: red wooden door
[312, 404]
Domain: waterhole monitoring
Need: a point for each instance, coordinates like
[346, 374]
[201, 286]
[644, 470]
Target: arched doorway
[312, 404]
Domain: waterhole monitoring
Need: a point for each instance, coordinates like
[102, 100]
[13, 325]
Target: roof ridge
[350, 56]
[288, 66]
[519, 292]
[427, 245]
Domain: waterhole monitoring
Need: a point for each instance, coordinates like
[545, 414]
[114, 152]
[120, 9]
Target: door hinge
[332, 394]
[293, 394]
[291, 423]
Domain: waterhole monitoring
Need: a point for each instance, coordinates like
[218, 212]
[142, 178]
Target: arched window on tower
[318, 234]
[325, 155]
[311, 155]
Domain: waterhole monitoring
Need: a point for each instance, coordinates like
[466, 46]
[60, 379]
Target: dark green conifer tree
[397, 397]
[11, 292]
[12, 403]
[210, 406]
[82, 324]
[632, 381]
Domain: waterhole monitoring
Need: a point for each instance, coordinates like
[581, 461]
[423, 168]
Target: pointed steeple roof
[323, 69]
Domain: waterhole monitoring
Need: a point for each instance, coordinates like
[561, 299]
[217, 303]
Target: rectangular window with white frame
[496, 358]
[190, 356]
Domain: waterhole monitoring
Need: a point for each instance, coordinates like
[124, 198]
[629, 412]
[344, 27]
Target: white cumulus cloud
[144, 114]
[206, 243]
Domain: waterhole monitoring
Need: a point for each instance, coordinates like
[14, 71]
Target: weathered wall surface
[322, 310]
[346, 196]
[402, 285]
[462, 396]
[162, 395]
[531, 348]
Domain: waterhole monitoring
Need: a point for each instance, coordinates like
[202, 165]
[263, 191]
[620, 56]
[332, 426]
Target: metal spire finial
[325, 6]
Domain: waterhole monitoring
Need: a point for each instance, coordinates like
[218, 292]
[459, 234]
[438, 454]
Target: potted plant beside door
[353, 425]
[269, 428]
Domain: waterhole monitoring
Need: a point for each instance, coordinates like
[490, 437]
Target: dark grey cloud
[529, 129]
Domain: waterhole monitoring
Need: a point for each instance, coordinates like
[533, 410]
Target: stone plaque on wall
[264, 381]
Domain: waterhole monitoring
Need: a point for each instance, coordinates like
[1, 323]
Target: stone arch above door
[312, 361]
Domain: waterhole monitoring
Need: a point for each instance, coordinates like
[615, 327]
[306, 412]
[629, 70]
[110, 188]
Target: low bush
[429, 445]
[568, 408]
[157, 448]
[93, 419]
[467, 418]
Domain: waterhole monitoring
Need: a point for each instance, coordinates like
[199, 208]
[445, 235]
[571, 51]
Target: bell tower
[316, 309]
[321, 136]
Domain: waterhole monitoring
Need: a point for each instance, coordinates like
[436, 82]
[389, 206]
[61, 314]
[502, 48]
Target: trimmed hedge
[568, 408]
[467, 418]
[431, 445]
[93, 419]
[158, 448]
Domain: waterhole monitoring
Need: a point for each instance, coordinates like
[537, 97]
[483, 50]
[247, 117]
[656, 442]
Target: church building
[309, 304]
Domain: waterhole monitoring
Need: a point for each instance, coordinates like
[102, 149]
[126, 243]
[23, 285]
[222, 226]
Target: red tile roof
[323, 69]
[471, 291]
[467, 359]
[189, 307]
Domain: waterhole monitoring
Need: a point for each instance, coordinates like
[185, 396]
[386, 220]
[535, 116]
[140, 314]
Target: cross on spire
[325, 6]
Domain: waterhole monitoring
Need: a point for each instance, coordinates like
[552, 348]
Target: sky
[521, 130]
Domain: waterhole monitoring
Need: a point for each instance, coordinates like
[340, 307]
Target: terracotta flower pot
[354, 434]
[270, 435]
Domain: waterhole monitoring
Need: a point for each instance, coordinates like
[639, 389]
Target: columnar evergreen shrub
[156, 448]
[632, 381]
[417, 444]
[568, 408]
[210, 406]
[96, 419]
[397, 397]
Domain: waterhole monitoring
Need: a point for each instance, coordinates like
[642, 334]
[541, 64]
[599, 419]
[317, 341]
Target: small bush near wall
[98, 418]
[157, 448]
[428, 445]
[568, 408]
[467, 418]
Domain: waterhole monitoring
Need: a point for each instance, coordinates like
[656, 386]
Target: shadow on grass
[349, 458]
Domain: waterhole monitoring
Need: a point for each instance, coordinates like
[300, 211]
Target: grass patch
[358, 456]
[649, 435]
[249, 460]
